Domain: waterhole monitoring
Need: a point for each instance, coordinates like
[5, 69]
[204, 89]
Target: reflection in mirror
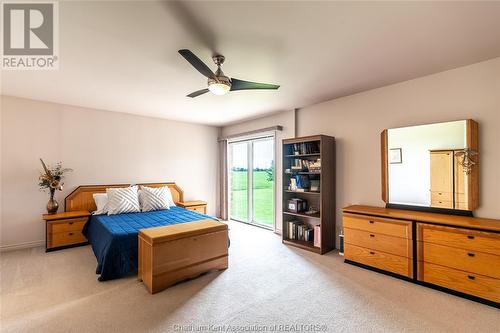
[426, 165]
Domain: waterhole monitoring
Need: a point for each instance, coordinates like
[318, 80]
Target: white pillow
[154, 198]
[171, 202]
[101, 201]
[123, 200]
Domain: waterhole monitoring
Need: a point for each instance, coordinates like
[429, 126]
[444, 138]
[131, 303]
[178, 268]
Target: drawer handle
[71, 222]
[372, 235]
[471, 254]
[471, 277]
[371, 221]
[371, 252]
[470, 237]
[71, 234]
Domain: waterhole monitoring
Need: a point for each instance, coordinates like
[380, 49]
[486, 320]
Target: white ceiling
[122, 56]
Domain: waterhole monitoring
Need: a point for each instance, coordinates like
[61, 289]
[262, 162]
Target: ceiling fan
[218, 83]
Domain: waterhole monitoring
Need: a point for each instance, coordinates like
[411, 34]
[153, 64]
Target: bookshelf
[300, 163]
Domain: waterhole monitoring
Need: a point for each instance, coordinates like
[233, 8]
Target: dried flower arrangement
[51, 179]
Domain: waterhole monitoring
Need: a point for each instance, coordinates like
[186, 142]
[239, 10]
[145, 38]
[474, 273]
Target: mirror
[433, 166]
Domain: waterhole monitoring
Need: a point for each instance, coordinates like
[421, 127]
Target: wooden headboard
[81, 198]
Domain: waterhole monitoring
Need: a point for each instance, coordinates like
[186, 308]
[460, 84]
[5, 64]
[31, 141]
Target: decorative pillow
[101, 201]
[123, 200]
[154, 198]
[171, 202]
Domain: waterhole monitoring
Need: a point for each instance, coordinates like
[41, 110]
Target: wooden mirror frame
[472, 138]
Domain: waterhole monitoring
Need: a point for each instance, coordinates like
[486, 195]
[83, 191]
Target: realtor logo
[29, 35]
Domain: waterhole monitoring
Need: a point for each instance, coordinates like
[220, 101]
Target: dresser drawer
[442, 204]
[65, 238]
[468, 283]
[390, 227]
[441, 196]
[66, 225]
[378, 259]
[389, 244]
[465, 260]
[481, 241]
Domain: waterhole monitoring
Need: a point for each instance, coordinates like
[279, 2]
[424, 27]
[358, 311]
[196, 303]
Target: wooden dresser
[456, 254]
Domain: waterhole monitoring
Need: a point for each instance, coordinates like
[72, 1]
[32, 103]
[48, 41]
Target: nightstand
[197, 205]
[64, 230]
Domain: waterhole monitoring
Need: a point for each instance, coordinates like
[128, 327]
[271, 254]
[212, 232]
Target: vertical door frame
[249, 140]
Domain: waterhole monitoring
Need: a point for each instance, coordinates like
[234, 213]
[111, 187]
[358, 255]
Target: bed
[114, 238]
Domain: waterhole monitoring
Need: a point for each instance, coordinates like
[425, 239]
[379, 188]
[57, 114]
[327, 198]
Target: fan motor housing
[220, 79]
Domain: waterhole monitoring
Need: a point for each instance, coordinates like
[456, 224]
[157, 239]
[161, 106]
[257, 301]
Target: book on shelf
[300, 231]
[306, 165]
[305, 148]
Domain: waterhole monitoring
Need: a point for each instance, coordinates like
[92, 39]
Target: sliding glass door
[251, 181]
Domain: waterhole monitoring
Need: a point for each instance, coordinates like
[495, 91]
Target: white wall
[410, 181]
[102, 148]
[470, 92]
[285, 119]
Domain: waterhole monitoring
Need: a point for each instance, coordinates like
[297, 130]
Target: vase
[52, 205]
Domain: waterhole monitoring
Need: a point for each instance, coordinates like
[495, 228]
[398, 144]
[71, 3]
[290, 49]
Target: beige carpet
[267, 284]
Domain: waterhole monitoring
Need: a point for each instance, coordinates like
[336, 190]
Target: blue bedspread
[114, 238]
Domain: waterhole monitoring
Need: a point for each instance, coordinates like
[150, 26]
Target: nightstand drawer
[66, 225]
[65, 238]
[199, 209]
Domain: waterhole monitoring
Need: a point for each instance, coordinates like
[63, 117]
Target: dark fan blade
[247, 85]
[197, 63]
[197, 93]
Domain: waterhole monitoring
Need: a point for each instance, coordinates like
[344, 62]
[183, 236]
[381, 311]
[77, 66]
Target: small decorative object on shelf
[296, 205]
[51, 179]
[317, 238]
[314, 186]
[311, 211]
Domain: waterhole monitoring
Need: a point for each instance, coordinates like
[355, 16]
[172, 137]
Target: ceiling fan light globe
[219, 88]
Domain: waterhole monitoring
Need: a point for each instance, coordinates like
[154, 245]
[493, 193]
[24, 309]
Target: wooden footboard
[171, 254]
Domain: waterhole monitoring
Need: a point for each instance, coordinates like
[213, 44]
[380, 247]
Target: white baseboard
[20, 246]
